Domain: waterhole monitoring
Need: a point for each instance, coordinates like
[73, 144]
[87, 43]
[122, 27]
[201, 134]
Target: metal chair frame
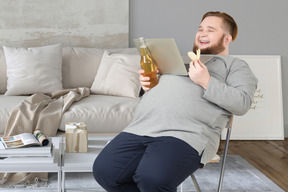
[229, 127]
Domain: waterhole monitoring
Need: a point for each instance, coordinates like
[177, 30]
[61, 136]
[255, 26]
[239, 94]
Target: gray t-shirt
[180, 108]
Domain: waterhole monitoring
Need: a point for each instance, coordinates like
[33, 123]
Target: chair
[229, 127]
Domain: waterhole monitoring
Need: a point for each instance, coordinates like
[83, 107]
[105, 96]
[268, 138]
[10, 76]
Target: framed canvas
[264, 121]
[85, 23]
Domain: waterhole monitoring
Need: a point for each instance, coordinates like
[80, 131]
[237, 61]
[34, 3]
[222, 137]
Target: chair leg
[224, 160]
[181, 187]
[195, 182]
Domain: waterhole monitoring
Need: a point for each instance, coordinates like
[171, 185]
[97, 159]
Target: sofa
[110, 74]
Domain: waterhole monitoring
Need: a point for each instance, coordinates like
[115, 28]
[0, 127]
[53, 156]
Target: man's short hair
[228, 21]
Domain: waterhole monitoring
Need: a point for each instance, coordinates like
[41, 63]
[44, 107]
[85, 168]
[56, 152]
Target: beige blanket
[42, 112]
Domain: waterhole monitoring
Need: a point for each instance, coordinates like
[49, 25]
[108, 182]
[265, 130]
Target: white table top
[83, 162]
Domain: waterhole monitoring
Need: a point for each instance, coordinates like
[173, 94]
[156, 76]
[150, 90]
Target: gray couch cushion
[80, 65]
[102, 113]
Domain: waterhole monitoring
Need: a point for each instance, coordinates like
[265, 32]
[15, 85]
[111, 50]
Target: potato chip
[193, 56]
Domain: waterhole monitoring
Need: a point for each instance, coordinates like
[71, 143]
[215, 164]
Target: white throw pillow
[79, 66]
[32, 70]
[118, 75]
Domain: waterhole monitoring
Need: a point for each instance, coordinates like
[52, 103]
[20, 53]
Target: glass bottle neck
[144, 51]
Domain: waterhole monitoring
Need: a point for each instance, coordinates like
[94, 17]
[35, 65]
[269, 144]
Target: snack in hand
[193, 56]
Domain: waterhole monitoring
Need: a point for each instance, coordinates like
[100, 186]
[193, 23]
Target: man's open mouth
[204, 42]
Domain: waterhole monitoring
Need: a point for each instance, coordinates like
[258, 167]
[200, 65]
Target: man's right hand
[144, 81]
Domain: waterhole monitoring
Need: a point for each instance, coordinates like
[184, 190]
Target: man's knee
[102, 173]
[98, 170]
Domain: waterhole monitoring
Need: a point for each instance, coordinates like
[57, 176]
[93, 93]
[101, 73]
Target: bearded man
[177, 124]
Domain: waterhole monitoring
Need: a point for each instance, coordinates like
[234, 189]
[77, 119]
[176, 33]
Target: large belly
[177, 97]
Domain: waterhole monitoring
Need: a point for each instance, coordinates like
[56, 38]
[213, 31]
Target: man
[177, 125]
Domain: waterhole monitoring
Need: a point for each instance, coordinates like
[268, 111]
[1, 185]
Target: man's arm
[236, 94]
[199, 74]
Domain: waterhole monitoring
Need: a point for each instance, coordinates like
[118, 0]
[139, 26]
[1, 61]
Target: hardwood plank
[269, 157]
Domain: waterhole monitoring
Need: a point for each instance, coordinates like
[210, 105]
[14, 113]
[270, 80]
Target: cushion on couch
[32, 70]
[102, 113]
[79, 66]
[118, 75]
[3, 78]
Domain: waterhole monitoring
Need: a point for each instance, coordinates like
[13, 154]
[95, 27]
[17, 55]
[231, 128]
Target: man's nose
[203, 34]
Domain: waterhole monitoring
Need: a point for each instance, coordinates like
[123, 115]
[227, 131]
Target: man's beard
[214, 49]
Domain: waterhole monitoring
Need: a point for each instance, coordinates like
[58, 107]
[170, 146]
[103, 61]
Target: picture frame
[86, 23]
[264, 121]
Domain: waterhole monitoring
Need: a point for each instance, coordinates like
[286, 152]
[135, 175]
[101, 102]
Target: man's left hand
[199, 74]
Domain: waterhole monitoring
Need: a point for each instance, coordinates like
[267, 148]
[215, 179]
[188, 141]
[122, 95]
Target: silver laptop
[166, 55]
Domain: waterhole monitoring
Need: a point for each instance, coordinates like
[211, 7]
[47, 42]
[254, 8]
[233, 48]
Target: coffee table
[82, 162]
[38, 166]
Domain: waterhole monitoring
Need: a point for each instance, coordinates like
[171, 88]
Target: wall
[262, 27]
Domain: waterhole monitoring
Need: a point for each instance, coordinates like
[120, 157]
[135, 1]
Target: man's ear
[227, 39]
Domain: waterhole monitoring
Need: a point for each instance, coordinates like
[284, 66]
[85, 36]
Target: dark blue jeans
[132, 163]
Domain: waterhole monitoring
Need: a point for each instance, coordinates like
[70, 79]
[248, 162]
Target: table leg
[63, 181]
[59, 181]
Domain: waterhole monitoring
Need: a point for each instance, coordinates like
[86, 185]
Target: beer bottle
[147, 64]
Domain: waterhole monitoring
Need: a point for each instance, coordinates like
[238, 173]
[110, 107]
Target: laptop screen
[166, 55]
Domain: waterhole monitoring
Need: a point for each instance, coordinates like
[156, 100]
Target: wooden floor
[270, 157]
